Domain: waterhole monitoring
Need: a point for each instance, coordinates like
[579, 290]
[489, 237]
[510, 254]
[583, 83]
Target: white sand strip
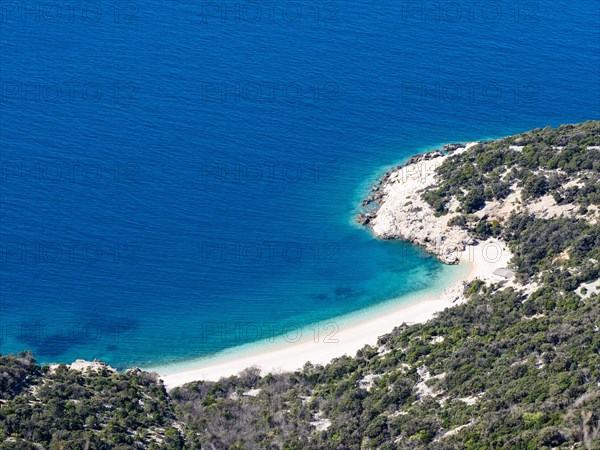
[270, 358]
[402, 215]
[278, 358]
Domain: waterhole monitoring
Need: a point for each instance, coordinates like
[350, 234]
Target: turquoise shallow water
[169, 169]
[328, 332]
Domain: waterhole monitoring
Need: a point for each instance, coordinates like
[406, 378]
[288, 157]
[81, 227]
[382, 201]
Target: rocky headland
[471, 201]
[396, 209]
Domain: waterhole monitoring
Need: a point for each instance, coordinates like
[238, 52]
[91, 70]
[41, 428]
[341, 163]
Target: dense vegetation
[65, 409]
[503, 370]
[531, 369]
[542, 161]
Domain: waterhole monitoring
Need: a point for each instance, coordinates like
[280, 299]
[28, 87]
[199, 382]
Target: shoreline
[396, 210]
[400, 214]
[396, 187]
[359, 329]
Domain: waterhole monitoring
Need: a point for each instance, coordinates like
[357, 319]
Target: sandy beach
[401, 214]
[478, 260]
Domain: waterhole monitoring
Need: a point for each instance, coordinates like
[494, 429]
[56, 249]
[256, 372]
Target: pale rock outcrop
[83, 366]
[403, 214]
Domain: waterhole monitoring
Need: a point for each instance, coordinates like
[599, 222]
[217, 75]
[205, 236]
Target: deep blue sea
[178, 178]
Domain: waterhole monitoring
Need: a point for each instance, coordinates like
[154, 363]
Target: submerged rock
[364, 219]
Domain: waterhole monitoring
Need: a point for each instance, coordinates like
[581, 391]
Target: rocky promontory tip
[444, 198]
[395, 209]
[377, 190]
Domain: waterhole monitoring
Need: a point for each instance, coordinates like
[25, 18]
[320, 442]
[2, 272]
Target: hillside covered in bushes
[505, 369]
